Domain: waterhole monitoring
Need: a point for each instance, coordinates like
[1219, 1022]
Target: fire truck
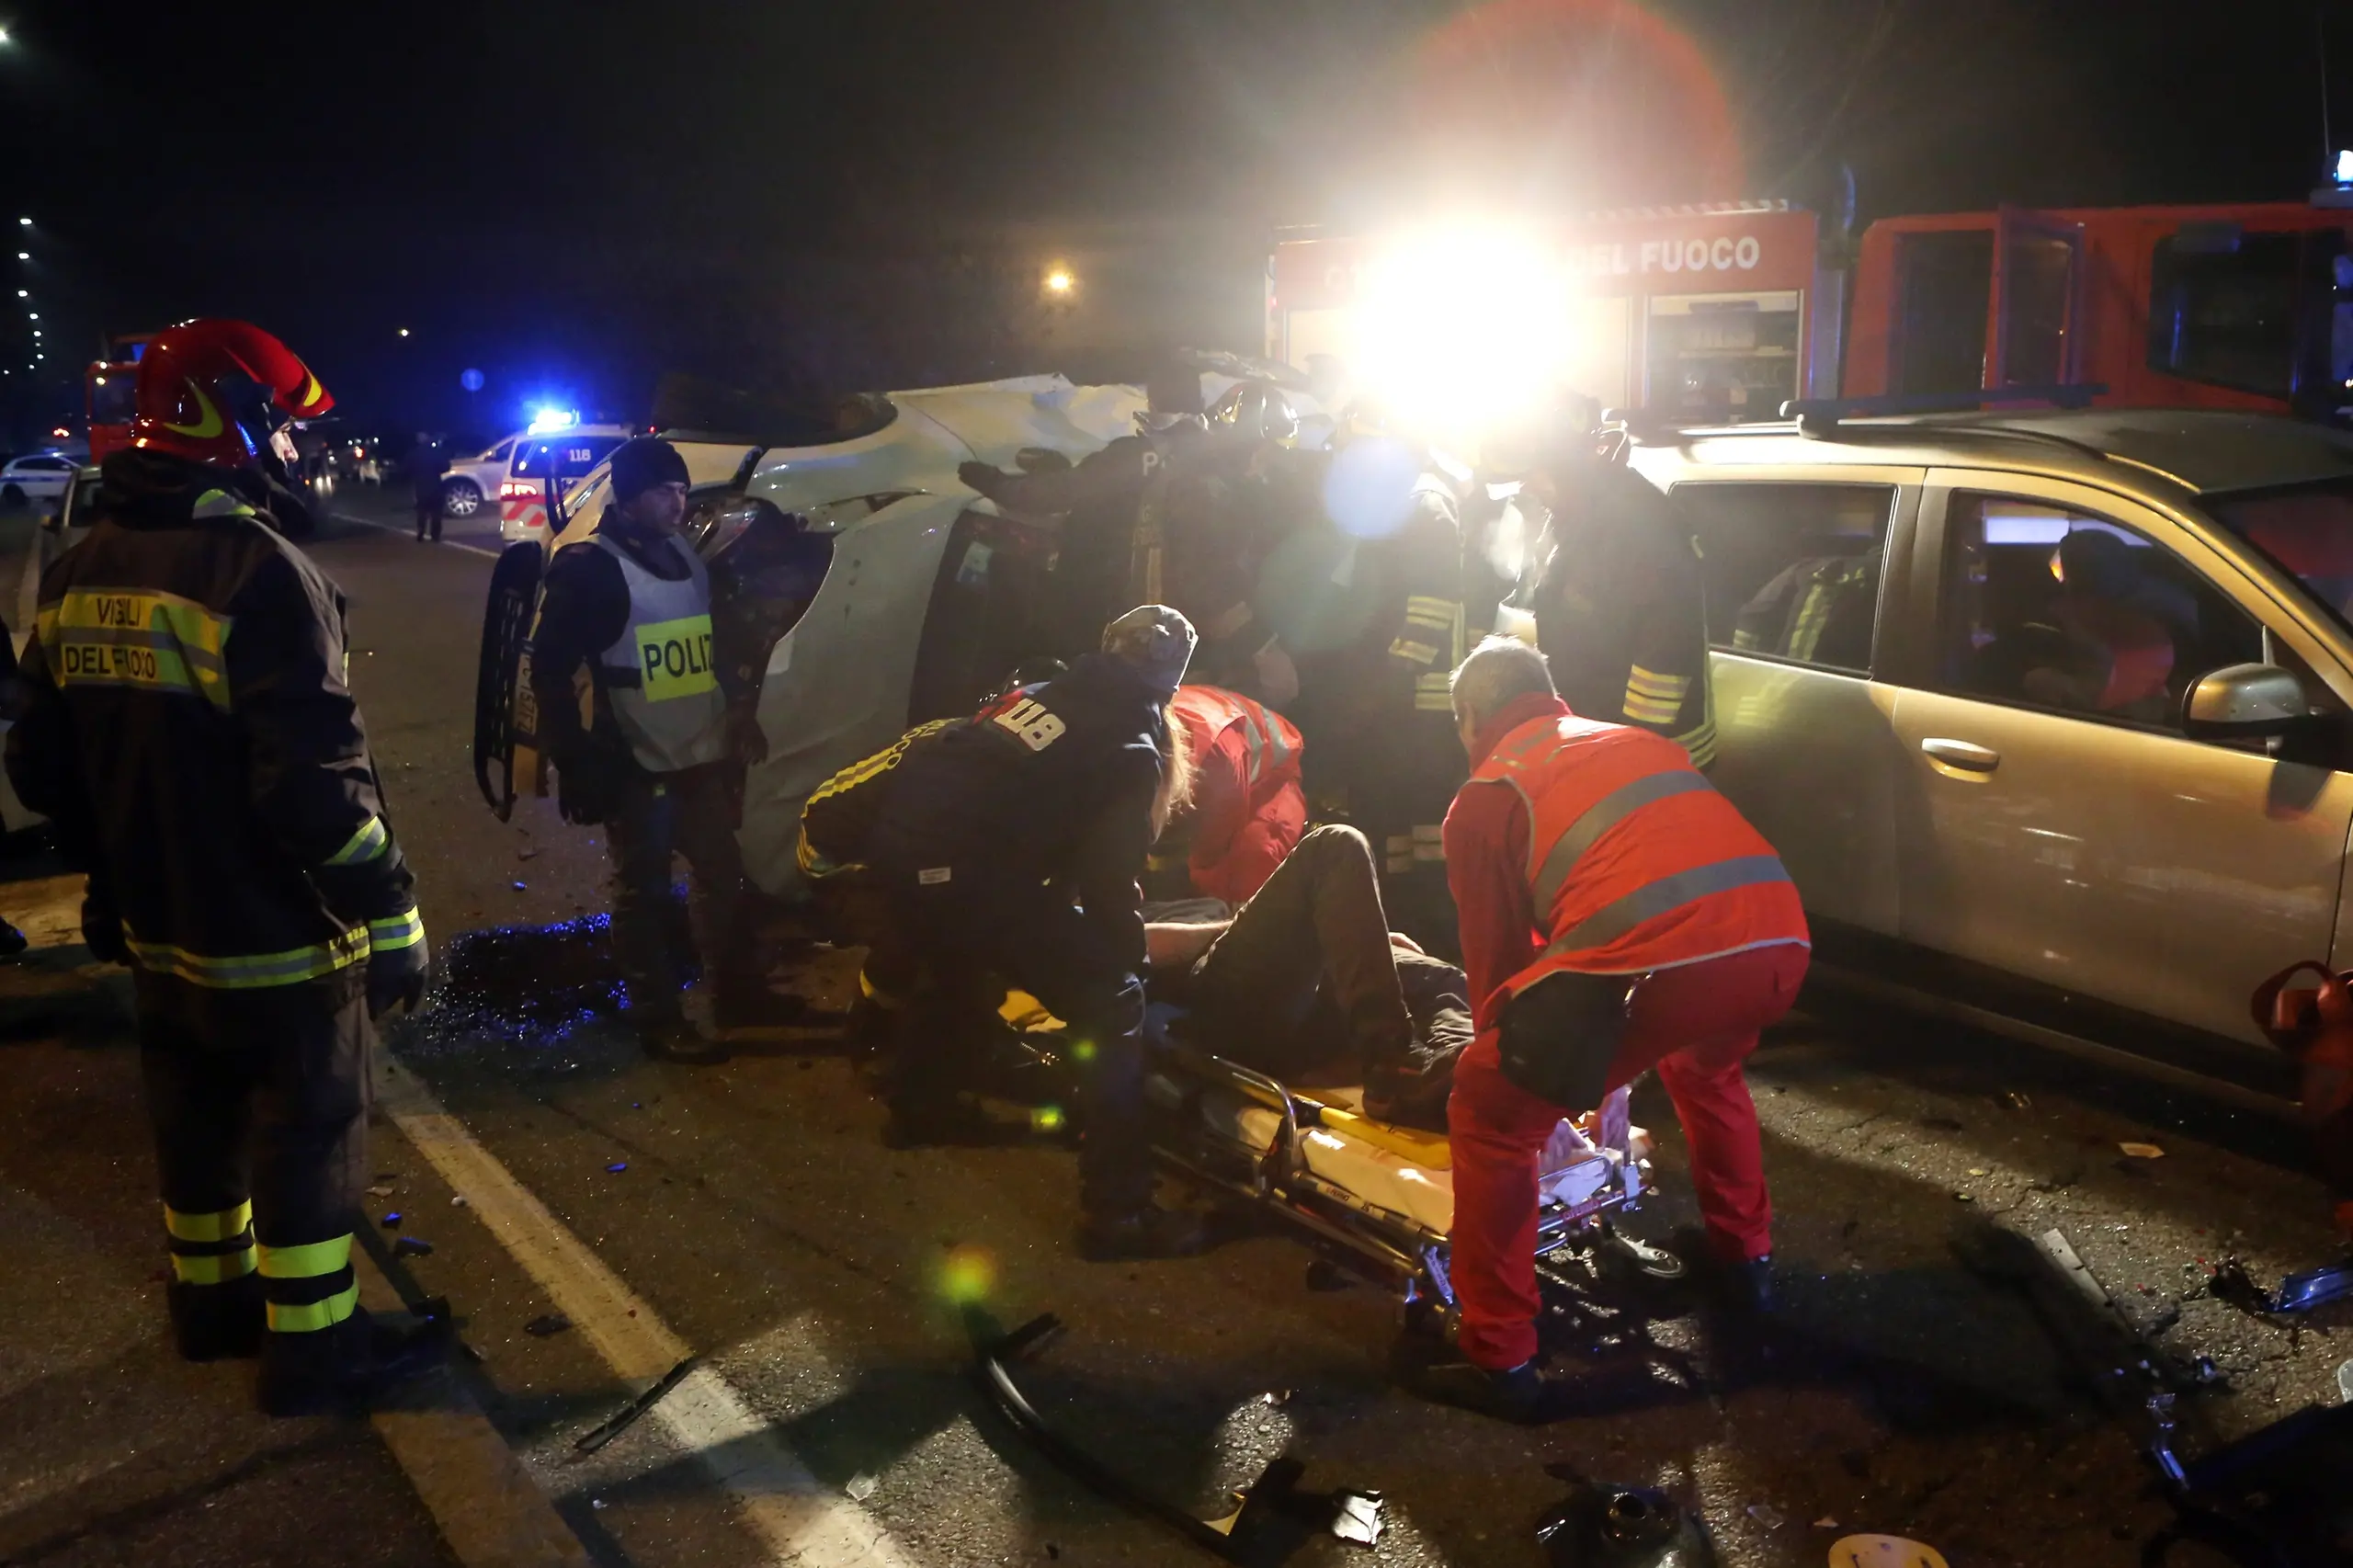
[109, 391]
[1727, 310]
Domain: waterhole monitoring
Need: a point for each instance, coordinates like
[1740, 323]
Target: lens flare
[967, 1275]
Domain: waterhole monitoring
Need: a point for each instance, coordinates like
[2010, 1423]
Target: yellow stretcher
[1383, 1192]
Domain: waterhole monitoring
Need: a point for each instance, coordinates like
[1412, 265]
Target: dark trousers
[977, 936]
[1407, 771]
[1305, 974]
[691, 813]
[428, 515]
[260, 1103]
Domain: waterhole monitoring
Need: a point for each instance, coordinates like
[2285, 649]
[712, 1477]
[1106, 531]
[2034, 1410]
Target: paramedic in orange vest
[1617, 915]
[1247, 809]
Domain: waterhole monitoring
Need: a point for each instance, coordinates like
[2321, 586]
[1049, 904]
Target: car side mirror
[2244, 703]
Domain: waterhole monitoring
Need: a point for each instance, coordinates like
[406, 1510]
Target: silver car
[2050, 714]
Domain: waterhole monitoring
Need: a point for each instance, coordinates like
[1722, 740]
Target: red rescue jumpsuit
[1721, 966]
[1248, 810]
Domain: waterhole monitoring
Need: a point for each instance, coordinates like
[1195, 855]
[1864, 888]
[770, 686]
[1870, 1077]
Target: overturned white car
[900, 562]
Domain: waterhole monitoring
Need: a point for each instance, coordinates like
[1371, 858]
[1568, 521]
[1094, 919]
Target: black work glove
[102, 931]
[588, 787]
[397, 978]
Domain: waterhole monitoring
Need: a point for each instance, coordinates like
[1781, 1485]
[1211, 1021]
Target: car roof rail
[1820, 417]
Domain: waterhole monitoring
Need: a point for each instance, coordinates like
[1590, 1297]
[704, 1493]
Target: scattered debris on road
[1883, 1551]
[617, 1167]
[622, 1419]
[1605, 1526]
[1270, 1520]
[409, 1246]
[547, 1324]
[2296, 1292]
[391, 1222]
[1767, 1515]
[861, 1486]
[2141, 1150]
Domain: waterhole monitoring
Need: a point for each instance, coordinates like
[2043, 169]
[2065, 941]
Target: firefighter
[1244, 810]
[659, 759]
[1620, 609]
[1113, 511]
[1009, 850]
[188, 731]
[1617, 915]
[1401, 763]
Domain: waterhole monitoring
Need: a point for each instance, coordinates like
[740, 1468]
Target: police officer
[1620, 607]
[1008, 846]
[659, 756]
[188, 731]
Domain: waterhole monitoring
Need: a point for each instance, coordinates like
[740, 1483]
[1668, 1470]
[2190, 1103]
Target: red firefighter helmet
[197, 379]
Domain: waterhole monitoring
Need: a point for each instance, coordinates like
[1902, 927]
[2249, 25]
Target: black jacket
[1621, 611]
[188, 729]
[1051, 783]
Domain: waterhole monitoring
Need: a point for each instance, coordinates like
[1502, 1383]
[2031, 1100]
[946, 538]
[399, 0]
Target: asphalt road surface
[595, 1218]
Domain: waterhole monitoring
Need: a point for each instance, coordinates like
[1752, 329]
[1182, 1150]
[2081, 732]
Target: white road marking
[411, 533]
[794, 1514]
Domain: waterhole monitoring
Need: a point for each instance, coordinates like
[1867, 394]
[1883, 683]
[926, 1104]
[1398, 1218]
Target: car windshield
[2307, 530]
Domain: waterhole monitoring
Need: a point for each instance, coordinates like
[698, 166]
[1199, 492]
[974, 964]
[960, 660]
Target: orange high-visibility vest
[1271, 742]
[1635, 861]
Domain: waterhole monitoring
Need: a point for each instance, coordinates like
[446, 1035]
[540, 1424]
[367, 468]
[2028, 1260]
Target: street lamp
[1059, 281]
[404, 331]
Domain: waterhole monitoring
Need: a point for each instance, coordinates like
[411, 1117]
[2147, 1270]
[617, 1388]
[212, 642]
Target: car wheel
[461, 498]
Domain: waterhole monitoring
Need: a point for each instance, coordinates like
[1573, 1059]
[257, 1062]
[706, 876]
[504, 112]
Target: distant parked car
[471, 481]
[40, 477]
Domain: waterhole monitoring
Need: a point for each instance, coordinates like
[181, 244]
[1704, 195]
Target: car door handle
[1962, 754]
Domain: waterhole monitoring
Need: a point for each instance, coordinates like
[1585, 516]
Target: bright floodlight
[404, 331]
[1462, 328]
[2345, 167]
[1060, 281]
[546, 420]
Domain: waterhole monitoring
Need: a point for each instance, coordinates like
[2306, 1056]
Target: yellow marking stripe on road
[796, 1515]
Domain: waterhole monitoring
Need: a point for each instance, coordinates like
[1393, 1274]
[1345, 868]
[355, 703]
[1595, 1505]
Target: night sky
[803, 199]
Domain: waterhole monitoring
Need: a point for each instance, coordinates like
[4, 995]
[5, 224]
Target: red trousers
[1695, 1025]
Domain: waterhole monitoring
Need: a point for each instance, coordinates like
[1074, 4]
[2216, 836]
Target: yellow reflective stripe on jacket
[247, 971]
[222, 1226]
[137, 637]
[309, 1261]
[214, 1268]
[309, 1317]
[1427, 609]
[1414, 653]
[372, 839]
[220, 503]
[395, 932]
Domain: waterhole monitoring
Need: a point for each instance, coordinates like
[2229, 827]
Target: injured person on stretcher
[1300, 1055]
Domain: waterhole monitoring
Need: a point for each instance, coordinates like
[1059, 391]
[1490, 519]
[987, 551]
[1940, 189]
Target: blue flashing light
[2345, 167]
[544, 420]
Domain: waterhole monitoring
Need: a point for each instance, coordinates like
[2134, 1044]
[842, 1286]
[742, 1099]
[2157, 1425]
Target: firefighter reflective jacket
[189, 731]
[1621, 612]
[1634, 861]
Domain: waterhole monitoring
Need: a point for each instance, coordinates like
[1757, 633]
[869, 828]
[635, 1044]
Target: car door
[2056, 823]
[1794, 567]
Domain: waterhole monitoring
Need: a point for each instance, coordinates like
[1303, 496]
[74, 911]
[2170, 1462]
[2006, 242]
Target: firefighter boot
[346, 1367]
[210, 1323]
